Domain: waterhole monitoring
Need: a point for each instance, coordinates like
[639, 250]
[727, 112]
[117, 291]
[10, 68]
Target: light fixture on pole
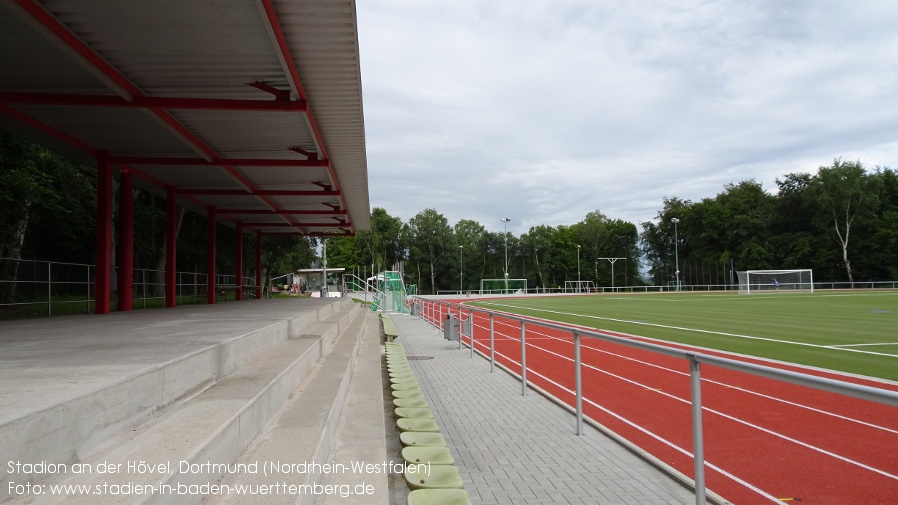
[676, 250]
[461, 269]
[505, 221]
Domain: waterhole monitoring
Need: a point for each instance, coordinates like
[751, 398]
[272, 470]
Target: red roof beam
[282, 212]
[304, 225]
[147, 102]
[346, 233]
[255, 192]
[216, 162]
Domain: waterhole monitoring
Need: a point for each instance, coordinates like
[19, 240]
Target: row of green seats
[389, 327]
[440, 483]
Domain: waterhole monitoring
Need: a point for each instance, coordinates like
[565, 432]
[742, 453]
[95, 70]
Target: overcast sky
[543, 111]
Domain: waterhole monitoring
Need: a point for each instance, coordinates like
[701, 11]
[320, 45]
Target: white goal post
[503, 286]
[579, 287]
[793, 281]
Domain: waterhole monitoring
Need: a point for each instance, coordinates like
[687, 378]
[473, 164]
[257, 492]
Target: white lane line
[732, 418]
[651, 434]
[723, 384]
[695, 330]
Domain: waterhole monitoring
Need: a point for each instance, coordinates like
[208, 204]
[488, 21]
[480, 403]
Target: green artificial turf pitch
[855, 332]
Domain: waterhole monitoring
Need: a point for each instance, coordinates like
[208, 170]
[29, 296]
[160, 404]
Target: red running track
[765, 441]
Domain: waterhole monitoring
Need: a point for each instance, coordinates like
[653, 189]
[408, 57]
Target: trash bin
[450, 327]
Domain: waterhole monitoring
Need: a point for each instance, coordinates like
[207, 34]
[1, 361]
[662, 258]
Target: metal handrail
[695, 359]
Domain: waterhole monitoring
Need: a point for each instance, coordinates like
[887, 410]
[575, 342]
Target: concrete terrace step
[360, 435]
[301, 439]
[226, 395]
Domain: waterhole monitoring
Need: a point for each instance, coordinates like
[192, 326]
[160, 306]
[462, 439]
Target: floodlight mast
[676, 250]
[578, 268]
[505, 221]
[461, 269]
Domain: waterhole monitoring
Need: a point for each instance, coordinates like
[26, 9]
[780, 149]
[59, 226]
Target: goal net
[501, 286]
[579, 287]
[755, 281]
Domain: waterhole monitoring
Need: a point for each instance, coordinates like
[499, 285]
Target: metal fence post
[492, 346]
[523, 360]
[50, 290]
[698, 444]
[471, 317]
[578, 381]
[460, 327]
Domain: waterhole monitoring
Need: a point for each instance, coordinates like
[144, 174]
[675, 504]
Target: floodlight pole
[505, 221]
[676, 251]
[578, 268]
[461, 270]
[612, 261]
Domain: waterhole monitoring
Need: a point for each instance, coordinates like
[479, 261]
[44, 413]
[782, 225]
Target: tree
[592, 236]
[844, 191]
[430, 239]
[537, 244]
[469, 235]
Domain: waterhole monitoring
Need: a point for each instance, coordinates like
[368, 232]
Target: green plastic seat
[422, 439]
[400, 373]
[417, 424]
[439, 497]
[405, 377]
[439, 476]
[408, 393]
[410, 402]
[404, 386]
[432, 455]
[414, 412]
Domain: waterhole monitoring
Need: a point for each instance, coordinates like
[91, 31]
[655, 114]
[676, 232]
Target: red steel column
[210, 256]
[239, 262]
[259, 264]
[102, 290]
[126, 242]
[171, 227]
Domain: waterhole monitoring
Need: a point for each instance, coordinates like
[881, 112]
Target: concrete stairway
[174, 433]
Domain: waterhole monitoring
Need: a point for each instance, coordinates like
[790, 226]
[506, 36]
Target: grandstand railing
[67, 286]
[433, 311]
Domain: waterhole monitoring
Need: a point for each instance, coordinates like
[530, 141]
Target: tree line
[841, 221]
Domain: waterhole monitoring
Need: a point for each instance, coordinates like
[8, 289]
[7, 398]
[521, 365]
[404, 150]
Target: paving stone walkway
[514, 449]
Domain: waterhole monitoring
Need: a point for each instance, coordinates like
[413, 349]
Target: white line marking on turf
[696, 330]
[860, 345]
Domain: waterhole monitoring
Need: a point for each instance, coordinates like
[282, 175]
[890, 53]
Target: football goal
[501, 286]
[579, 287]
[793, 281]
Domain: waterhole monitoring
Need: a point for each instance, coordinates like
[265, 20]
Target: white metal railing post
[460, 327]
[492, 345]
[50, 290]
[578, 381]
[523, 360]
[698, 444]
[471, 317]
